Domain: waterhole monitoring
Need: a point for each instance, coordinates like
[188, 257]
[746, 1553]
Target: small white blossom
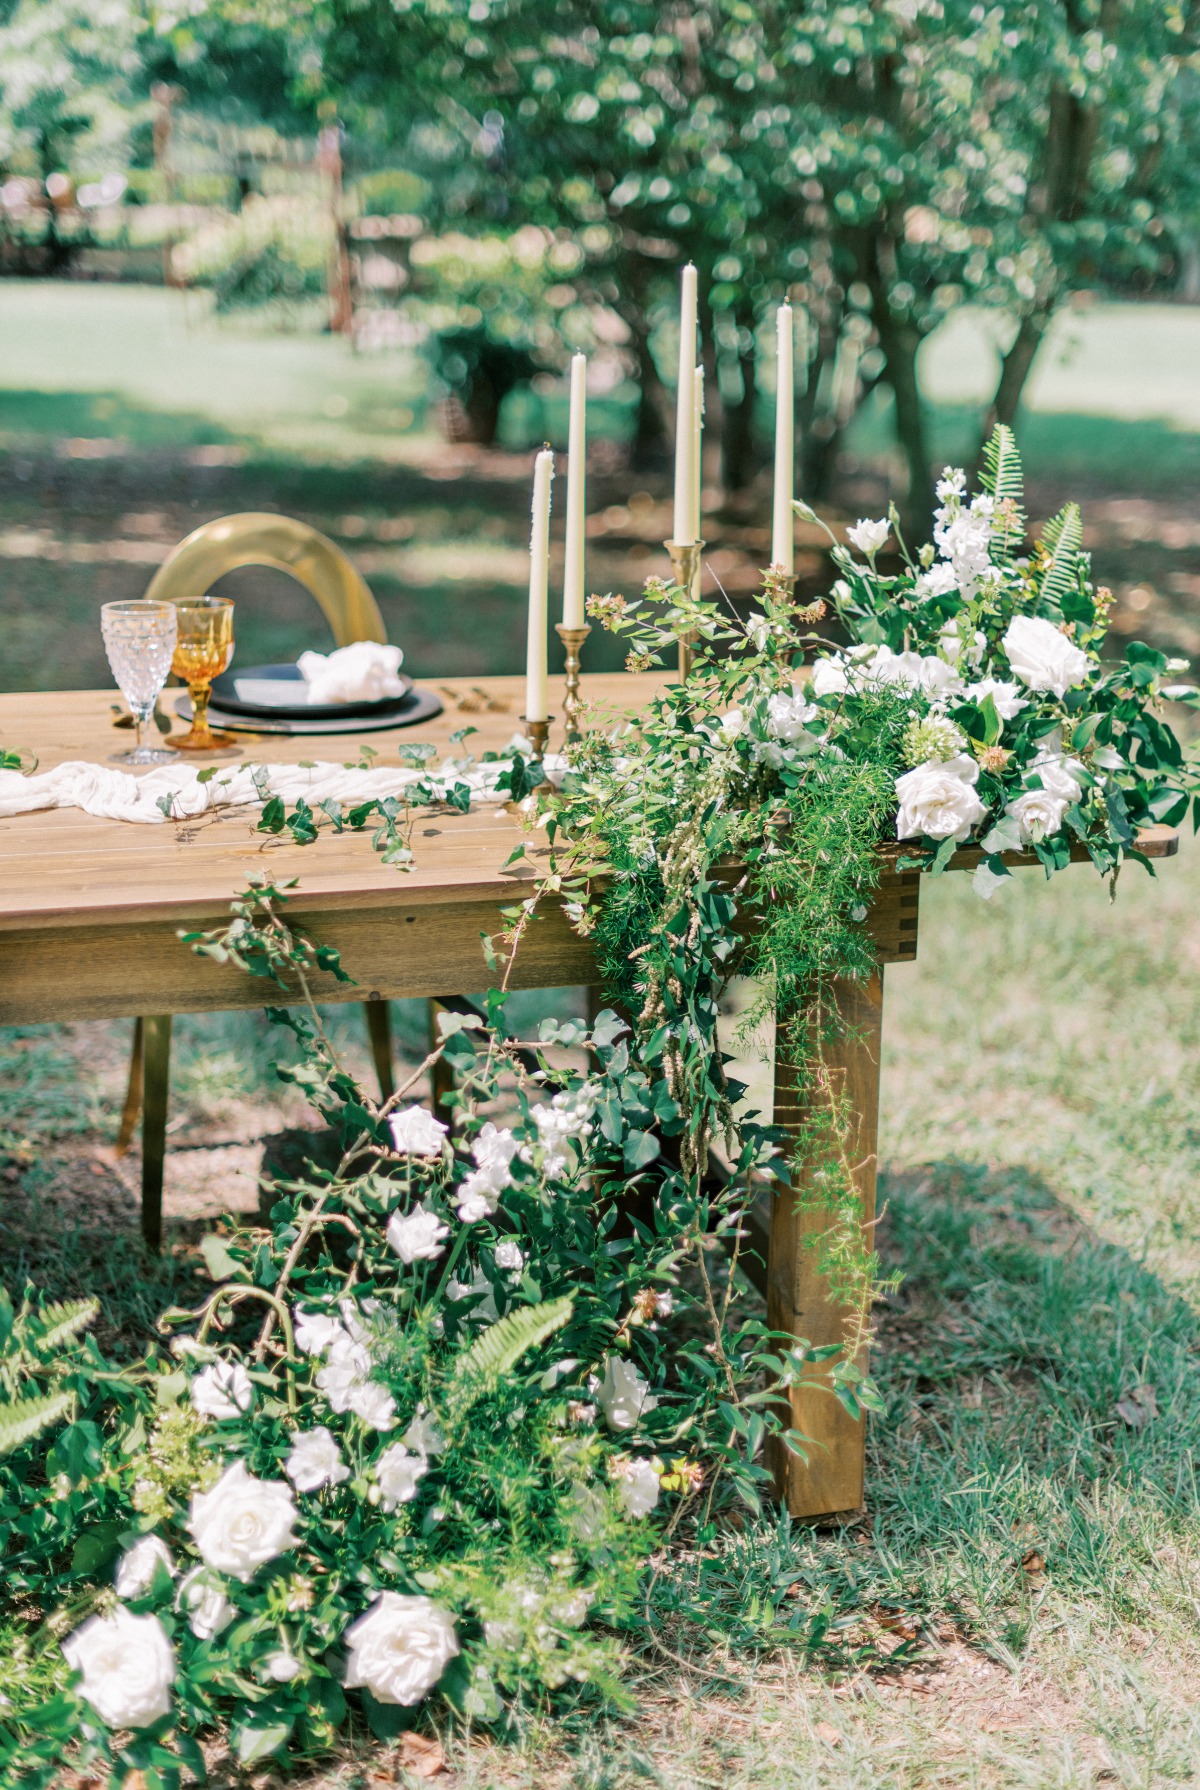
[400, 1648]
[315, 1331]
[399, 1473]
[638, 1486]
[138, 1565]
[623, 1394]
[126, 1667]
[789, 712]
[315, 1460]
[208, 1608]
[372, 1403]
[416, 1132]
[347, 1367]
[868, 537]
[423, 1434]
[223, 1390]
[938, 581]
[732, 727]
[417, 1236]
[508, 1255]
[282, 1667]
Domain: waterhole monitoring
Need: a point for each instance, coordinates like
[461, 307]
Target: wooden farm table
[90, 912]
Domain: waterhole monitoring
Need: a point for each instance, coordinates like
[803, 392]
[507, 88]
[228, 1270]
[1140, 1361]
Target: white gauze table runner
[119, 795]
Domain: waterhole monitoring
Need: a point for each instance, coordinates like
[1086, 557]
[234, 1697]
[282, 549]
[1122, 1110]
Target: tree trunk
[1014, 371]
[650, 449]
[900, 339]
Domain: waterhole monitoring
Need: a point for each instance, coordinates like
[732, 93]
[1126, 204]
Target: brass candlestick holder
[572, 639]
[685, 561]
[538, 733]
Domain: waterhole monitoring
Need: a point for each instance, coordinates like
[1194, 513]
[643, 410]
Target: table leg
[799, 1301]
[379, 1031]
[157, 1082]
[131, 1111]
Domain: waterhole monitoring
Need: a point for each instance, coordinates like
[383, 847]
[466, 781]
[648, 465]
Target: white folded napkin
[364, 672]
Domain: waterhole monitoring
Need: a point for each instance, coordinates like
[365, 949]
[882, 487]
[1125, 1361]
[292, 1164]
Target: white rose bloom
[1007, 697]
[315, 1331]
[398, 1473]
[126, 1665]
[242, 1522]
[939, 800]
[400, 1648]
[282, 1667]
[829, 677]
[938, 581]
[223, 1390]
[509, 1256]
[417, 1236]
[638, 1487]
[374, 1404]
[477, 1197]
[416, 1132]
[347, 1367]
[868, 537]
[315, 1460]
[1040, 812]
[137, 1566]
[493, 1151]
[1042, 657]
[208, 1608]
[623, 1394]
[789, 712]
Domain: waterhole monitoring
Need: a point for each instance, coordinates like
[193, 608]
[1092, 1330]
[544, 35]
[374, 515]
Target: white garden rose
[1005, 696]
[398, 1473]
[400, 1648]
[315, 1331]
[242, 1522]
[208, 1608]
[126, 1665]
[373, 1403]
[868, 537]
[623, 1394]
[938, 800]
[416, 1132]
[638, 1487]
[1042, 657]
[1041, 812]
[223, 1390]
[315, 1460]
[138, 1565]
[417, 1236]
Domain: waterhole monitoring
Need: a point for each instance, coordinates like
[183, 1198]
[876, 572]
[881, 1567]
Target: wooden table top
[63, 867]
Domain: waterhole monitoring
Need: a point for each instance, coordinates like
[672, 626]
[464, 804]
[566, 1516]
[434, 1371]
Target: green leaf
[259, 1743]
[28, 1417]
[217, 1259]
[501, 1346]
[96, 1546]
[1063, 538]
[641, 1148]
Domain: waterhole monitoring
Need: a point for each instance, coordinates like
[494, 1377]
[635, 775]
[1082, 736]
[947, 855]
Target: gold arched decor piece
[257, 538]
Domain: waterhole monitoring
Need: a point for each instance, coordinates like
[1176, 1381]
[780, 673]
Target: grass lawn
[1021, 1606]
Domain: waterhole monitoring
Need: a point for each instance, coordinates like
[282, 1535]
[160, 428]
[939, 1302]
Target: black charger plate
[293, 707]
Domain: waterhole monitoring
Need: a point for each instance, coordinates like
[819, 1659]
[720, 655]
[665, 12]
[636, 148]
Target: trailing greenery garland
[436, 1413]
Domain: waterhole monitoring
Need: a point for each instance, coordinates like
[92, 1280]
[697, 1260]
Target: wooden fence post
[798, 1296]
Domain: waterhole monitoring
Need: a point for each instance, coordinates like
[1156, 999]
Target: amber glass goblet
[203, 649]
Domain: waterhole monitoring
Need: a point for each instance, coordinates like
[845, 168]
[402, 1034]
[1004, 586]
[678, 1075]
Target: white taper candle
[536, 700]
[573, 616]
[782, 532]
[685, 400]
[698, 437]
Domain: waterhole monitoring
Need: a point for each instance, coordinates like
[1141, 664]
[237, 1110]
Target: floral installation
[411, 1454]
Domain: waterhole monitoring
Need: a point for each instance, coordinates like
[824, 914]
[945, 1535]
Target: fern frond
[28, 1417]
[1062, 538]
[501, 1346]
[51, 1328]
[1004, 479]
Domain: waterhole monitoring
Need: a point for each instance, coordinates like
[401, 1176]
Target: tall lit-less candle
[782, 532]
[536, 700]
[685, 402]
[698, 437]
[573, 616]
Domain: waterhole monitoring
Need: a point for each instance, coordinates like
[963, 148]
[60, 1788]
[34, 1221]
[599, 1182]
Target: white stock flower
[315, 1460]
[373, 1404]
[952, 483]
[416, 1132]
[509, 1256]
[868, 537]
[939, 800]
[126, 1665]
[638, 1486]
[282, 1667]
[1006, 697]
[789, 712]
[964, 539]
[623, 1394]
[242, 1522]
[1042, 657]
[400, 1648]
[417, 1236]
[223, 1390]
[137, 1567]
[398, 1473]
[315, 1331]
[208, 1608]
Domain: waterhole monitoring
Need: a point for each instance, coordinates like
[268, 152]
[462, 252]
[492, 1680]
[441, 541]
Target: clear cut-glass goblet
[139, 638]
